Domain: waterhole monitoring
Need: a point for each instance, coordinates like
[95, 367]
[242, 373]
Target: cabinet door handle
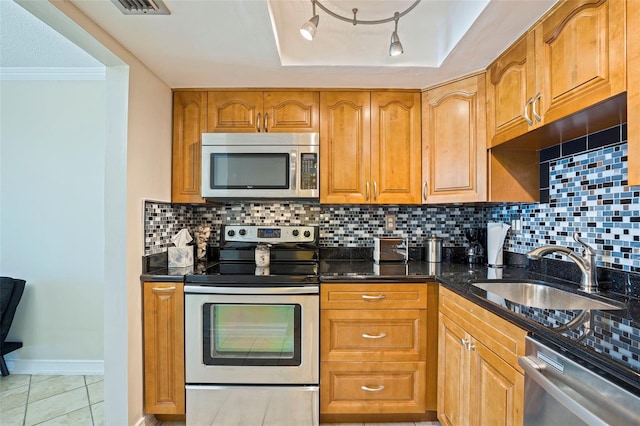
[375, 190]
[525, 113]
[258, 122]
[535, 110]
[424, 190]
[370, 389]
[372, 336]
[471, 347]
[164, 288]
[366, 191]
[378, 297]
[265, 125]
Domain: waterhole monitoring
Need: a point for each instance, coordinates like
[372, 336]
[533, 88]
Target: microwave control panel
[309, 171]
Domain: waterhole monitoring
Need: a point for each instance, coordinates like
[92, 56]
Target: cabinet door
[235, 112]
[189, 122]
[497, 389]
[453, 374]
[164, 348]
[291, 112]
[395, 148]
[580, 56]
[373, 335]
[345, 157]
[510, 91]
[455, 151]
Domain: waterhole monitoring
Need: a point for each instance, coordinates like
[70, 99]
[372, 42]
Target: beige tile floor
[74, 400]
[27, 400]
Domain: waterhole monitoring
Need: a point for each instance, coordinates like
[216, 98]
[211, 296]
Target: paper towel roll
[496, 233]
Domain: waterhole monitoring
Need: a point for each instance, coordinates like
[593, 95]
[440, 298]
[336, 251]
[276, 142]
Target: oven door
[259, 336]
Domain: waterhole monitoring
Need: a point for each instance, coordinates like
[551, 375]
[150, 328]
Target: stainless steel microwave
[260, 166]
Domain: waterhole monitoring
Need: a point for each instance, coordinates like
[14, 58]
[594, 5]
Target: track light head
[308, 29]
[395, 48]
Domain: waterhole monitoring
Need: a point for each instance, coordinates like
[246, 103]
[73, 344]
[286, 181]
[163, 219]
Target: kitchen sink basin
[543, 296]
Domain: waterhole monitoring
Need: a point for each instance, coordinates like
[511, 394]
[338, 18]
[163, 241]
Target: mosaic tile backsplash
[587, 193]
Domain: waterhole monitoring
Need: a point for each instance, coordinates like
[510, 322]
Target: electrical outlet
[390, 222]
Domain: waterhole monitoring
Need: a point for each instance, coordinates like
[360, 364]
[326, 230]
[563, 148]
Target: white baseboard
[56, 367]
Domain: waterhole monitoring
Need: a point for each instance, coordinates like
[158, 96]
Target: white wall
[52, 174]
[138, 166]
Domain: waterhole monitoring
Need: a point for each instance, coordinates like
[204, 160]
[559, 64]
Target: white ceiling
[256, 43]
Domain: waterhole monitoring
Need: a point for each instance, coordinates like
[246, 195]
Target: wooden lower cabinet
[476, 386]
[164, 378]
[378, 351]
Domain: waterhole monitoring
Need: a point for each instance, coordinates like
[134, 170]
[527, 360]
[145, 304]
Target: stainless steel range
[252, 330]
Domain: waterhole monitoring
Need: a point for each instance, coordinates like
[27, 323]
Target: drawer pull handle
[377, 336]
[376, 389]
[378, 297]
[164, 288]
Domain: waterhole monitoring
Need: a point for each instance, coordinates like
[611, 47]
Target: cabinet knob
[378, 297]
[374, 336]
[371, 389]
[525, 113]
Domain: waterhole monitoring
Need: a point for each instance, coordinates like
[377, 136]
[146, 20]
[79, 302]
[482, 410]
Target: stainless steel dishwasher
[561, 391]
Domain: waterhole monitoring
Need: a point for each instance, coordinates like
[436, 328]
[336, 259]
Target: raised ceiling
[256, 43]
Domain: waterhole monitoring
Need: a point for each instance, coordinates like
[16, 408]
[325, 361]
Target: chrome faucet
[586, 262]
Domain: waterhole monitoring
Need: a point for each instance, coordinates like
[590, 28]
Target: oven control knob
[231, 232]
[295, 232]
[242, 232]
[307, 234]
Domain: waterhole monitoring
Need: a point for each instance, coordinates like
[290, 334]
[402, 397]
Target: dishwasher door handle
[535, 371]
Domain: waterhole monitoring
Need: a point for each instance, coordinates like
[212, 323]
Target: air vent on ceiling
[142, 7]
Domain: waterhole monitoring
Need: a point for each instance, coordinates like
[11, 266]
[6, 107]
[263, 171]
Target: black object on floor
[11, 290]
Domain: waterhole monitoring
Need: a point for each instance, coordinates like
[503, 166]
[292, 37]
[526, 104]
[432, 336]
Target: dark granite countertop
[611, 344]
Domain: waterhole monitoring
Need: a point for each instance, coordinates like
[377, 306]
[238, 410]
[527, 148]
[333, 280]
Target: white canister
[262, 255]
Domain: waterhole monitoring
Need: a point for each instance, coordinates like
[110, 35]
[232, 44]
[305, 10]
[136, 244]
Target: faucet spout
[585, 262]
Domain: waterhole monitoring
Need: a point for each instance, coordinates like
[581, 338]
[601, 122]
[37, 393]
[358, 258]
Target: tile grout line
[26, 403]
[86, 388]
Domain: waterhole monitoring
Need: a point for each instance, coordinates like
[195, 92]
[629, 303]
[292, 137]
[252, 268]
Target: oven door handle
[196, 289]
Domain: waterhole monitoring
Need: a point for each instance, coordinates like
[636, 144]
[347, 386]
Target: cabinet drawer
[370, 387]
[373, 335]
[373, 296]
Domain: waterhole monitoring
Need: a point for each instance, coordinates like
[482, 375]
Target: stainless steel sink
[542, 296]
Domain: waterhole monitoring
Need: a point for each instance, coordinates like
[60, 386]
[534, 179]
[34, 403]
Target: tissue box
[179, 257]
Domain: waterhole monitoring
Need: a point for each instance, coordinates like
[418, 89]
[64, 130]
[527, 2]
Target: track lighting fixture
[308, 29]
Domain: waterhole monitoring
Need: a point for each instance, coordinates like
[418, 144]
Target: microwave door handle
[294, 162]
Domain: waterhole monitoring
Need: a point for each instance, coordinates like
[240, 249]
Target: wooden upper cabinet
[253, 112]
[345, 147]
[189, 122]
[454, 142]
[572, 59]
[510, 92]
[395, 147]
[580, 56]
[370, 147]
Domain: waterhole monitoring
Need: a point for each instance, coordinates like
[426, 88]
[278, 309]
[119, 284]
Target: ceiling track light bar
[308, 29]
[355, 21]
